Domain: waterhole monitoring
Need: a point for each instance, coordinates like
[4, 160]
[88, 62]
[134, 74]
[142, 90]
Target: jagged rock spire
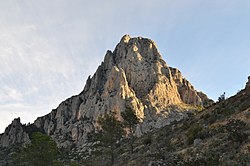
[14, 134]
[134, 75]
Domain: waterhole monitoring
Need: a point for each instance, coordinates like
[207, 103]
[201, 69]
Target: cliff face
[133, 75]
[187, 92]
[14, 134]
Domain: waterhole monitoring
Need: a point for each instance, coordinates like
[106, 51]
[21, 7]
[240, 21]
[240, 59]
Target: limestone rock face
[206, 102]
[133, 75]
[14, 134]
[187, 92]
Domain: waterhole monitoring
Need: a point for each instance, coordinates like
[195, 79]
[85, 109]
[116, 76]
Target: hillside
[218, 135]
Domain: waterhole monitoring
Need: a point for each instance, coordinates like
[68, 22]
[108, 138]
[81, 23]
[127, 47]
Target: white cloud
[10, 94]
[31, 90]
[24, 50]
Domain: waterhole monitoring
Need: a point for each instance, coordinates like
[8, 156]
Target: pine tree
[110, 134]
[42, 151]
[130, 120]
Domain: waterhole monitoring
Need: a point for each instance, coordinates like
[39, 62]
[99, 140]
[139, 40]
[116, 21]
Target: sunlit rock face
[187, 92]
[134, 75]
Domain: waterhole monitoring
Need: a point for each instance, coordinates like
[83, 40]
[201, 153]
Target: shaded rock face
[133, 75]
[248, 83]
[14, 134]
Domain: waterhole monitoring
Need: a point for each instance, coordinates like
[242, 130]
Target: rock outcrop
[248, 83]
[187, 92]
[14, 134]
[133, 75]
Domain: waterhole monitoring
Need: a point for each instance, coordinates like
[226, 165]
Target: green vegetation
[194, 132]
[110, 134]
[130, 120]
[199, 161]
[222, 133]
[42, 151]
[235, 129]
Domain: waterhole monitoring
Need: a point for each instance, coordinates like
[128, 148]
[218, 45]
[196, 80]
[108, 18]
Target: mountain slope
[218, 135]
[134, 75]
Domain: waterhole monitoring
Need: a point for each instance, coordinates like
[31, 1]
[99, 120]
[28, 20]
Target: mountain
[134, 75]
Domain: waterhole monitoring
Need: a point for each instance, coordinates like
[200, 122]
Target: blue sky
[48, 48]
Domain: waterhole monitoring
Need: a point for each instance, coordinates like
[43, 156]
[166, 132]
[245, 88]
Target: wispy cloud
[26, 112]
[10, 94]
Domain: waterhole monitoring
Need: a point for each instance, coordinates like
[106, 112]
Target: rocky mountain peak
[125, 39]
[133, 76]
[16, 122]
[137, 48]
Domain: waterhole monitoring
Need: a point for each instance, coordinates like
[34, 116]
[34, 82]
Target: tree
[42, 151]
[110, 134]
[222, 97]
[130, 120]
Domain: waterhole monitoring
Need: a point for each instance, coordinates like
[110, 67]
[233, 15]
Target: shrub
[194, 132]
[235, 128]
[147, 141]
